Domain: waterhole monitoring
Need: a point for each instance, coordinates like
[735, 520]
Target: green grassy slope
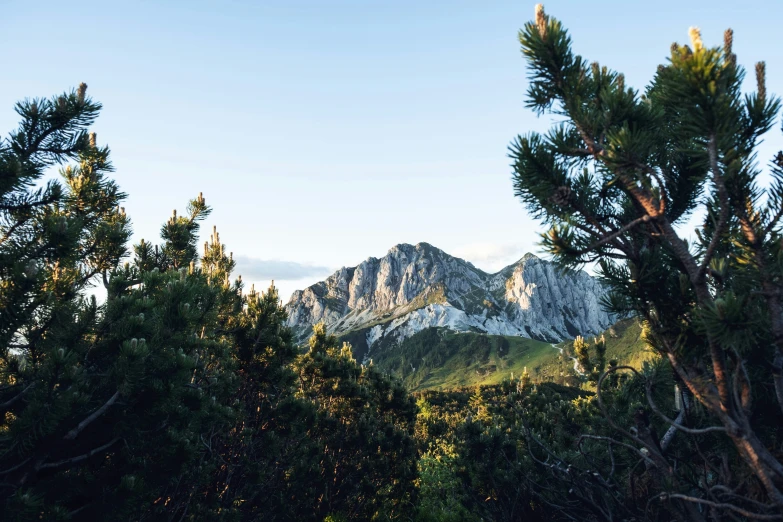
[623, 343]
[441, 358]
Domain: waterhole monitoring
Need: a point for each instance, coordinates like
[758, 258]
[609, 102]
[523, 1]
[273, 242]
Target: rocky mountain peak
[414, 287]
[528, 257]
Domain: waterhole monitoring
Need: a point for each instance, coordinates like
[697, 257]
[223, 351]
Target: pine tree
[105, 406]
[582, 354]
[591, 366]
[364, 429]
[478, 405]
[615, 180]
[180, 397]
[53, 242]
[269, 461]
[525, 382]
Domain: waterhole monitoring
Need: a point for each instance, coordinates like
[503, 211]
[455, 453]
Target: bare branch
[97, 413]
[723, 198]
[77, 459]
[777, 377]
[612, 441]
[650, 448]
[668, 437]
[616, 234]
[722, 505]
[672, 422]
[10, 402]
[14, 468]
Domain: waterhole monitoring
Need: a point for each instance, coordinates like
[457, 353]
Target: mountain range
[416, 287]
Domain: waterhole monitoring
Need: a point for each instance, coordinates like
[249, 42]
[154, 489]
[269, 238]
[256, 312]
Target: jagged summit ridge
[419, 286]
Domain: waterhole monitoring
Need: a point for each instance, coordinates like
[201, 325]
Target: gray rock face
[417, 287]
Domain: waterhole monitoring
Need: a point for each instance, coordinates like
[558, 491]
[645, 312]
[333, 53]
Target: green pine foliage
[109, 403]
[476, 461]
[613, 182]
[364, 429]
[180, 396]
[523, 451]
[591, 357]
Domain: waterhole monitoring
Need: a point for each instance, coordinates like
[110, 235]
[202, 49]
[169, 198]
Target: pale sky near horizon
[325, 132]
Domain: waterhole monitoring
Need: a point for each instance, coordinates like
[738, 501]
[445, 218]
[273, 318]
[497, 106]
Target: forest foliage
[182, 396]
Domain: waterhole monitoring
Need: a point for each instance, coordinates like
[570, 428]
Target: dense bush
[180, 396]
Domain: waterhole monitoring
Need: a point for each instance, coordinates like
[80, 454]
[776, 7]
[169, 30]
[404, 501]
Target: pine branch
[13, 228]
[771, 292]
[97, 413]
[777, 377]
[659, 461]
[742, 396]
[723, 197]
[674, 423]
[28, 205]
[773, 222]
[613, 441]
[615, 235]
[721, 505]
[7, 404]
[668, 437]
[75, 460]
[14, 468]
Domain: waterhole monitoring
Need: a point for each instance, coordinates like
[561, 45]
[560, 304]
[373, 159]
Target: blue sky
[324, 132]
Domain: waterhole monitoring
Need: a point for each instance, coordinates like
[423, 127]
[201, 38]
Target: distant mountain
[415, 287]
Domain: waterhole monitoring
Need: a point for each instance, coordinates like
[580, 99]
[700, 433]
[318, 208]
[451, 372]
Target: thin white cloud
[253, 269]
[492, 257]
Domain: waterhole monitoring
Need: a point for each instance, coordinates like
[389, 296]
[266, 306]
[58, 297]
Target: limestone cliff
[417, 287]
